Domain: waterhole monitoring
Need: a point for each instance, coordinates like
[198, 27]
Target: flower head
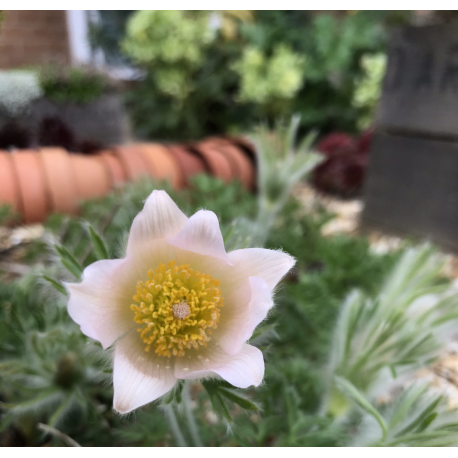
[177, 306]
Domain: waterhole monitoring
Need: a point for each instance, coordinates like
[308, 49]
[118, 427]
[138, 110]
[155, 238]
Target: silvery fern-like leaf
[391, 331]
[417, 417]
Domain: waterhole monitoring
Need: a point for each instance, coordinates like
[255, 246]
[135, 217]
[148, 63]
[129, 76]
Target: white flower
[177, 306]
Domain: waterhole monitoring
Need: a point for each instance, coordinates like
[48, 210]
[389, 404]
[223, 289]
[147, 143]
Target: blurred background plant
[42, 106]
[343, 170]
[283, 161]
[271, 82]
[17, 90]
[200, 73]
[368, 91]
[225, 71]
[72, 85]
[172, 58]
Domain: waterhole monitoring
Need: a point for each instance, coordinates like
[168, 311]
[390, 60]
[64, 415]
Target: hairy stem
[194, 430]
[56, 433]
[174, 425]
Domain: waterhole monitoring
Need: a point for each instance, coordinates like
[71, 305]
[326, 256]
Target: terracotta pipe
[189, 162]
[113, 167]
[60, 180]
[31, 179]
[242, 167]
[215, 160]
[131, 160]
[9, 186]
[36, 183]
[92, 178]
[162, 164]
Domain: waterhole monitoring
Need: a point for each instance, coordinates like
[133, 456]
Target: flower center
[181, 310]
[177, 307]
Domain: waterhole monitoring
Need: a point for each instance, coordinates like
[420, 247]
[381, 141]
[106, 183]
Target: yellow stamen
[176, 307]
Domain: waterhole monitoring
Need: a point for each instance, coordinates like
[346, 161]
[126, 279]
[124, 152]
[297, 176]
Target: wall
[33, 37]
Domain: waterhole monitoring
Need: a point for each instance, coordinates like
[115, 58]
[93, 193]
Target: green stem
[194, 430]
[173, 422]
[267, 213]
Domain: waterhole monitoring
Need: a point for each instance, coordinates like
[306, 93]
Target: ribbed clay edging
[162, 165]
[32, 184]
[131, 160]
[36, 183]
[247, 146]
[189, 162]
[249, 149]
[92, 178]
[113, 166]
[9, 188]
[216, 161]
[60, 180]
[242, 166]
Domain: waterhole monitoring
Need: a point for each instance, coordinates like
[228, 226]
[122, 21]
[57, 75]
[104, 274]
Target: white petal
[242, 370]
[242, 312]
[139, 377]
[100, 304]
[202, 235]
[159, 218]
[269, 265]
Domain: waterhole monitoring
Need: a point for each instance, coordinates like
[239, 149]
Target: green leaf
[291, 133]
[352, 393]
[238, 399]
[56, 284]
[69, 261]
[307, 141]
[220, 406]
[175, 394]
[425, 439]
[427, 421]
[421, 418]
[60, 411]
[216, 399]
[407, 400]
[100, 249]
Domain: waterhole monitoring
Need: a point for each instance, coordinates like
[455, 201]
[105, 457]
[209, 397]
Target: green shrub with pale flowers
[203, 80]
[369, 89]
[265, 79]
[170, 43]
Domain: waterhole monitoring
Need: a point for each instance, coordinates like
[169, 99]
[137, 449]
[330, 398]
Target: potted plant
[78, 109]
[86, 102]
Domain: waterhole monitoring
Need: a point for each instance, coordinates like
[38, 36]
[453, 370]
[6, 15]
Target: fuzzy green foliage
[416, 417]
[75, 85]
[48, 366]
[7, 215]
[49, 370]
[51, 373]
[391, 330]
